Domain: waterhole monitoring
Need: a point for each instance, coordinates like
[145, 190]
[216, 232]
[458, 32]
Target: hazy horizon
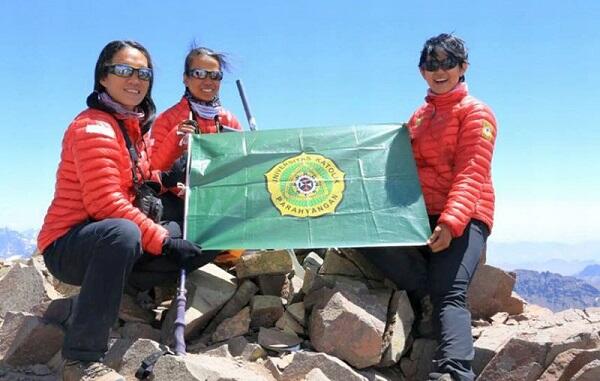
[557, 257]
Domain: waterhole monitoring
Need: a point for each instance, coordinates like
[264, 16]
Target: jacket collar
[453, 96]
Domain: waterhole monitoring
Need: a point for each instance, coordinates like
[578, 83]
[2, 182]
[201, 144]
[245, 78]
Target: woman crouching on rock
[103, 229]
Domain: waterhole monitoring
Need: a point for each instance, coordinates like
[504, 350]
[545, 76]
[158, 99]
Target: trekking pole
[251, 120]
[179, 330]
[181, 300]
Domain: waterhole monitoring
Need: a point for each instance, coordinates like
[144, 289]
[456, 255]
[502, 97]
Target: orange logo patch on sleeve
[487, 132]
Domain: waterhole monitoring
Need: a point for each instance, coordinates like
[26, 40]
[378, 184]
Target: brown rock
[298, 312]
[216, 350]
[312, 261]
[519, 360]
[22, 288]
[590, 372]
[489, 343]
[276, 365]
[242, 296]
[515, 304]
[116, 350]
[271, 284]
[491, 292]
[576, 335]
[209, 288]
[316, 375]
[332, 367]
[293, 289]
[21, 335]
[237, 325]
[419, 363]
[135, 330]
[134, 355]
[399, 326]
[351, 327]
[239, 346]
[337, 264]
[202, 367]
[568, 363]
[499, 318]
[287, 323]
[266, 310]
[263, 263]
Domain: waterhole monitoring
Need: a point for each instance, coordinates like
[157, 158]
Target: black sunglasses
[433, 64]
[202, 74]
[126, 71]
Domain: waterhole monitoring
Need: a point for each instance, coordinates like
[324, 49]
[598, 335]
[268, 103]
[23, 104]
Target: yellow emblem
[305, 185]
[487, 132]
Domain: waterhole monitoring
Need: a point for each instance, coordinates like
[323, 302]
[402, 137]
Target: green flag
[351, 186]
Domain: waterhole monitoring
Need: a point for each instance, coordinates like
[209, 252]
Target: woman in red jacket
[99, 232]
[452, 137]
[199, 110]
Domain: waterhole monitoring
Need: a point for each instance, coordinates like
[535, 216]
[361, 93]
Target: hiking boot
[440, 377]
[74, 370]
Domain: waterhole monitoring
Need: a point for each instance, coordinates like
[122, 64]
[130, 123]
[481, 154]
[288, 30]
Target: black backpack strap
[147, 367]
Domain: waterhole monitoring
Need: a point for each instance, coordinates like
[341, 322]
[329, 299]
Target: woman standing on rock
[452, 137]
[199, 110]
[103, 229]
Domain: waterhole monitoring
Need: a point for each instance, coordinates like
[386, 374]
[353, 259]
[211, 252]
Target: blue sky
[320, 63]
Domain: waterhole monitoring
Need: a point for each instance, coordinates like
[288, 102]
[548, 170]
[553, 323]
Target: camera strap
[132, 153]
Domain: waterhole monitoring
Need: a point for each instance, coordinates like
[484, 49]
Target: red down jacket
[94, 179]
[165, 127]
[453, 137]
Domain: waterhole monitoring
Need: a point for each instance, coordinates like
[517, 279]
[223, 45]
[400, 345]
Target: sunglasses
[126, 71]
[434, 64]
[202, 74]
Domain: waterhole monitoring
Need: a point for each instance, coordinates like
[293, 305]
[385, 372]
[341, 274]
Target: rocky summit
[285, 315]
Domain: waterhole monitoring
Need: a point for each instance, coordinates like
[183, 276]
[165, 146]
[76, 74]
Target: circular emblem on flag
[305, 185]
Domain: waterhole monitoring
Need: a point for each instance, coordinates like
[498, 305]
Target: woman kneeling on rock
[103, 229]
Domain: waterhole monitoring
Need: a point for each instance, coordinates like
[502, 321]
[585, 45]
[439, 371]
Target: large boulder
[24, 287]
[21, 335]
[490, 292]
[351, 326]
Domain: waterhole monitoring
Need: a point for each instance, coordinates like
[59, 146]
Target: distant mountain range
[555, 291]
[590, 274]
[555, 257]
[15, 244]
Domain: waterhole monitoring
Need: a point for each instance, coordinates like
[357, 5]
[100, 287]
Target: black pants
[102, 257]
[445, 276]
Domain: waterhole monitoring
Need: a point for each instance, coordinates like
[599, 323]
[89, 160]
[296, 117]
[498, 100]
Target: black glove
[181, 250]
[176, 174]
